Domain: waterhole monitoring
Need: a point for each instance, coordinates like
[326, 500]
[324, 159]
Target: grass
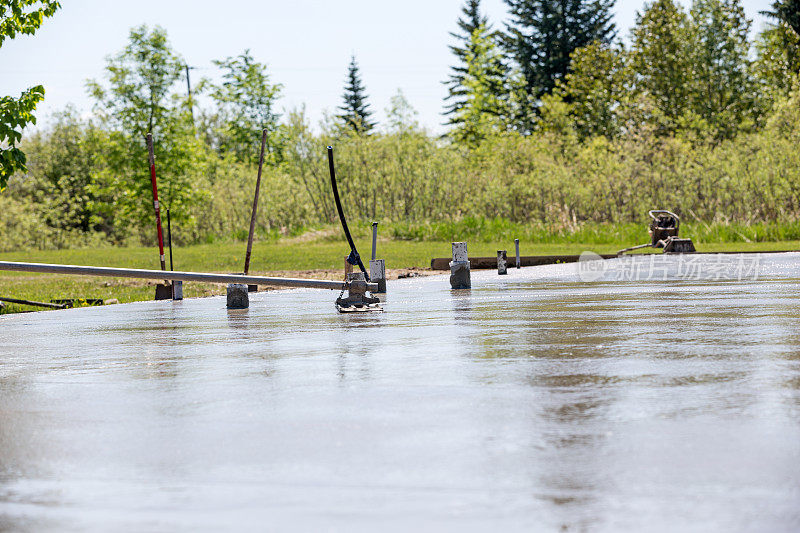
[295, 255]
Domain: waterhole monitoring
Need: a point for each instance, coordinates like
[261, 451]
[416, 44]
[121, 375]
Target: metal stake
[255, 204]
[152, 161]
[169, 240]
[374, 240]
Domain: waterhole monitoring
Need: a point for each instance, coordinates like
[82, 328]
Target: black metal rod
[29, 302]
[341, 214]
[169, 239]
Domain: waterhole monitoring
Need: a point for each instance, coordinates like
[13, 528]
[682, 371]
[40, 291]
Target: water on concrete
[642, 400]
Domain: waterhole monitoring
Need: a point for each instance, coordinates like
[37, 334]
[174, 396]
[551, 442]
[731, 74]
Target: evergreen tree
[784, 37]
[661, 54]
[468, 23]
[778, 62]
[355, 111]
[485, 105]
[724, 89]
[541, 37]
[787, 11]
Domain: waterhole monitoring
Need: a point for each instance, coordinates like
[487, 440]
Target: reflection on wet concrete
[532, 401]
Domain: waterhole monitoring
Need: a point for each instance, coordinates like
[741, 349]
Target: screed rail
[44, 268]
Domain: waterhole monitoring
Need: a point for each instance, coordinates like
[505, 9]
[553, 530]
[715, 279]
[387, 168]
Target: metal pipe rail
[45, 268]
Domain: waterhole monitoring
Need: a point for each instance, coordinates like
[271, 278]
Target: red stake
[155, 199]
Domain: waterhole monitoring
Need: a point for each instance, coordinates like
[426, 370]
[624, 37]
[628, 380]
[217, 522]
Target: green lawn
[291, 255]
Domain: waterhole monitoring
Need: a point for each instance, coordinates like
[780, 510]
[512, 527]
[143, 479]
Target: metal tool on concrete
[664, 228]
[356, 283]
[354, 258]
[358, 299]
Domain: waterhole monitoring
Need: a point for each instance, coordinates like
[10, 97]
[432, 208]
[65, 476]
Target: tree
[141, 78]
[246, 101]
[787, 11]
[778, 47]
[401, 117]
[724, 94]
[471, 21]
[140, 99]
[355, 110]
[485, 106]
[778, 61]
[661, 53]
[541, 36]
[597, 87]
[19, 17]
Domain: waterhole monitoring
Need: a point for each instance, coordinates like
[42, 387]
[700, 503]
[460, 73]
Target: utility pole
[189, 90]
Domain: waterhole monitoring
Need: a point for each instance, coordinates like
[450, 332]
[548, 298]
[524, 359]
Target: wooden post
[255, 204]
[348, 268]
[516, 245]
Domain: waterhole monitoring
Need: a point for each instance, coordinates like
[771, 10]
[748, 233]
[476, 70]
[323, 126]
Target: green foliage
[485, 108]
[663, 42]
[19, 17]
[246, 105]
[15, 114]
[24, 16]
[60, 178]
[401, 116]
[468, 23]
[541, 37]
[725, 89]
[597, 88]
[788, 12]
[683, 121]
[777, 66]
[355, 111]
[139, 98]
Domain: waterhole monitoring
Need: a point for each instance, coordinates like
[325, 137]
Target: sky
[306, 45]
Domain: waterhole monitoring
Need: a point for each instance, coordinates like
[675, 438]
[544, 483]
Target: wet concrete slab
[654, 396]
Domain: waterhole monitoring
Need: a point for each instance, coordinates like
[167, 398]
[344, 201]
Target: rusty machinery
[664, 228]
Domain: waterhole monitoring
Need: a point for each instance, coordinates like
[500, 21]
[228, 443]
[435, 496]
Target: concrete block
[377, 274]
[502, 263]
[237, 296]
[459, 275]
[163, 291]
[460, 252]
[177, 290]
